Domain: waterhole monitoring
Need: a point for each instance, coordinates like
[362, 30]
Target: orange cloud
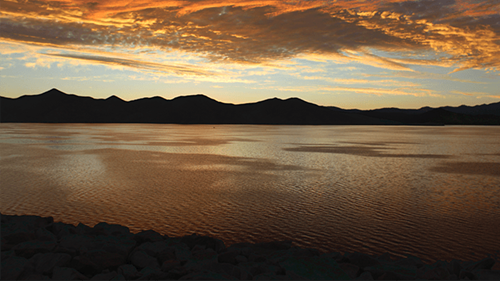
[262, 31]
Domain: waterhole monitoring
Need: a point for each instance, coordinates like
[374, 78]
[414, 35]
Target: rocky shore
[37, 248]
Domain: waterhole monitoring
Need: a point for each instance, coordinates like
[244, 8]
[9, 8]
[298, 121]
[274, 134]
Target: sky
[346, 53]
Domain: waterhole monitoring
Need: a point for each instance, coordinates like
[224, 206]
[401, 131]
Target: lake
[431, 192]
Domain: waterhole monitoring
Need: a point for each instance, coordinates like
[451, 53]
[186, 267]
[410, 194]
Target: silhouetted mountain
[55, 106]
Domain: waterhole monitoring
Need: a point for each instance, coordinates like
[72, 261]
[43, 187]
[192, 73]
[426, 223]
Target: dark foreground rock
[37, 248]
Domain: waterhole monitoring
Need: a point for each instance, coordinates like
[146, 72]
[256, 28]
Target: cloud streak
[177, 69]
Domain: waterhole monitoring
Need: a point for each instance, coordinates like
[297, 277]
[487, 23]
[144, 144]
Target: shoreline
[37, 248]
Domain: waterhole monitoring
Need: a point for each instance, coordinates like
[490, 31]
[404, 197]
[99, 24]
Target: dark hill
[55, 106]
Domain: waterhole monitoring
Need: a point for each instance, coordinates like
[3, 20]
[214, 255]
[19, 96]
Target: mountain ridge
[55, 106]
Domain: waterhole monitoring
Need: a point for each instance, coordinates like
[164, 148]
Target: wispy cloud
[419, 92]
[177, 69]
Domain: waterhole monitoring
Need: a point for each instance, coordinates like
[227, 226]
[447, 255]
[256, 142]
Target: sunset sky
[346, 53]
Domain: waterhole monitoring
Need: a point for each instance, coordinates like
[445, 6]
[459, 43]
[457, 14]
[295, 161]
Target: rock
[105, 276]
[484, 274]
[67, 273]
[153, 249]
[62, 229]
[298, 252]
[128, 271]
[148, 273]
[141, 259]
[166, 254]
[352, 270]
[454, 267]
[42, 234]
[18, 237]
[225, 268]
[112, 230]
[169, 265]
[403, 272]
[362, 260]
[30, 248]
[240, 259]
[209, 242]
[114, 244]
[7, 254]
[199, 260]
[45, 263]
[333, 255]
[410, 261]
[84, 229]
[464, 274]
[93, 262]
[177, 272]
[148, 236]
[274, 245]
[120, 277]
[79, 242]
[365, 276]
[206, 276]
[182, 252]
[13, 267]
[33, 276]
[228, 257]
[486, 263]
[254, 257]
[271, 276]
[314, 268]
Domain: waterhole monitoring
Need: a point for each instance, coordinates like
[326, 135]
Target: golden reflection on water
[422, 191]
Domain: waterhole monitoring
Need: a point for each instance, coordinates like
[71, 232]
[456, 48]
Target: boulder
[150, 273]
[141, 259]
[228, 257]
[274, 245]
[114, 244]
[113, 229]
[128, 271]
[79, 242]
[95, 261]
[168, 265]
[486, 263]
[67, 273]
[206, 276]
[45, 263]
[272, 276]
[240, 259]
[30, 248]
[362, 260]
[42, 234]
[105, 276]
[60, 229]
[314, 268]
[13, 267]
[352, 270]
[148, 236]
[153, 248]
[225, 268]
[209, 242]
[166, 254]
[484, 274]
[199, 260]
[177, 272]
[365, 276]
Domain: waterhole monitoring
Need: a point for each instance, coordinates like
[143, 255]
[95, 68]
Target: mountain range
[55, 106]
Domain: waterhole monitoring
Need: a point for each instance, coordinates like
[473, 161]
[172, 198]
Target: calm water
[431, 192]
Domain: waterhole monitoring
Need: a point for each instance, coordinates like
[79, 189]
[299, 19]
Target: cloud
[417, 92]
[263, 31]
[177, 69]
